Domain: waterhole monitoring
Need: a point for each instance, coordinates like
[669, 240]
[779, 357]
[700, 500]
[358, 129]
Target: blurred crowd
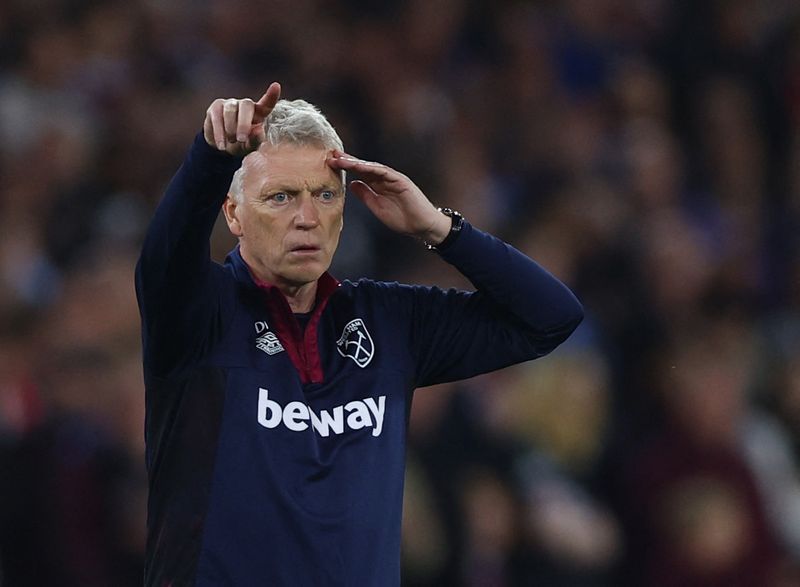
[647, 152]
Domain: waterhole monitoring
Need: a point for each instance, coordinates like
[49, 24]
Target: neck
[300, 298]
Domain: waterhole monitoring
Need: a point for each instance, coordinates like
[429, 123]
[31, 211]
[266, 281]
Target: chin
[305, 275]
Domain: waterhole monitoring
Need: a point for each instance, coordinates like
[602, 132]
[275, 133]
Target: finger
[345, 161]
[364, 193]
[270, 97]
[367, 169]
[217, 126]
[230, 114]
[348, 159]
[244, 120]
[208, 130]
[267, 102]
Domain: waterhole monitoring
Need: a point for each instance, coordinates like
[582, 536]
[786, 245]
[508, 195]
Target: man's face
[289, 215]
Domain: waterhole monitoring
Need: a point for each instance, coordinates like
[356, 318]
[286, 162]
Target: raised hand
[236, 125]
[393, 198]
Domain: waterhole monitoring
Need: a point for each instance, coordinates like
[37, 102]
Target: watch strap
[457, 223]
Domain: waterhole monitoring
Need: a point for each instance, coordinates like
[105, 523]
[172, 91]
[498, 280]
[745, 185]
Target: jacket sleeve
[177, 284]
[518, 312]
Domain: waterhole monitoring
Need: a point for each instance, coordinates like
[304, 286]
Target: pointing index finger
[267, 102]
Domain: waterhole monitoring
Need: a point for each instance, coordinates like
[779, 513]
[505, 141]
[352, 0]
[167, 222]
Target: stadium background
[645, 151]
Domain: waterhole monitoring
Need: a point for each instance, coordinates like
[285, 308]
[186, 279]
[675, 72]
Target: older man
[278, 397]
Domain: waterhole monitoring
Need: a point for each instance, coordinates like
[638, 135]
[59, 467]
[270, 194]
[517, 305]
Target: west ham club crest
[356, 343]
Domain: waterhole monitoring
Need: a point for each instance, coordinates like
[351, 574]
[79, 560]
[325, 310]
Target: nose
[306, 215]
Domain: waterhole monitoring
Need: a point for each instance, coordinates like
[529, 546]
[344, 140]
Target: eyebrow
[292, 191]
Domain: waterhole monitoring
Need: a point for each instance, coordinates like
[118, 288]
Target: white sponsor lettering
[358, 415]
[295, 415]
[269, 412]
[326, 421]
[377, 411]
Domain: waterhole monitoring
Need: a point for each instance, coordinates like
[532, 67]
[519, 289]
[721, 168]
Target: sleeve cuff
[212, 158]
[450, 248]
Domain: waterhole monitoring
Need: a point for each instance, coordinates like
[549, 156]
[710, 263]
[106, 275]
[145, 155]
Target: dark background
[647, 152]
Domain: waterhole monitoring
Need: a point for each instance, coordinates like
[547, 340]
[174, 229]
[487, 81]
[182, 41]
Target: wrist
[438, 231]
[445, 232]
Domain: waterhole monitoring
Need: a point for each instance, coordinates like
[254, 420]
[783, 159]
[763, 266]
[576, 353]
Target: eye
[279, 197]
[327, 195]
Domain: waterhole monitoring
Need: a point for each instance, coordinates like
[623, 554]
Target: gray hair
[294, 122]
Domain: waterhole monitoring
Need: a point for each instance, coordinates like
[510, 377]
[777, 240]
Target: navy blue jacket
[276, 455]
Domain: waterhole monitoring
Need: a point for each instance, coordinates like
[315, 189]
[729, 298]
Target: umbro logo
[267, 341]
[356, 343]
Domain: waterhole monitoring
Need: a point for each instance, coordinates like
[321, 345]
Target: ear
[230, 209]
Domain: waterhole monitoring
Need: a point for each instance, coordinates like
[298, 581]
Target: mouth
[304, 249]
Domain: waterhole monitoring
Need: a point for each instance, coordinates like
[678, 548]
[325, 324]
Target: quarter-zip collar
[301, 346]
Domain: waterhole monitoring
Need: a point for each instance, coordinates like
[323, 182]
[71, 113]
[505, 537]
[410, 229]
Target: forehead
[289, 167]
